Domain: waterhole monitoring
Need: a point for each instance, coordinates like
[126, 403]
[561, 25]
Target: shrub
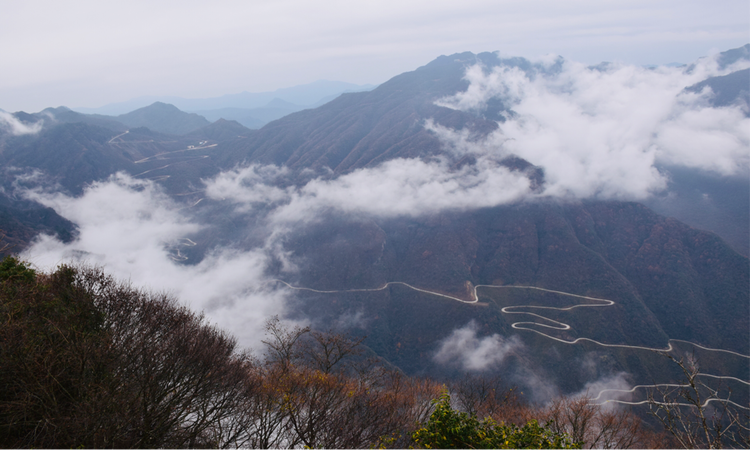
[448, 428]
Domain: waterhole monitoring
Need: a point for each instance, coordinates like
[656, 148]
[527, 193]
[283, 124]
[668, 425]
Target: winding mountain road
[160, 156]
[164, 167]
[557, 325]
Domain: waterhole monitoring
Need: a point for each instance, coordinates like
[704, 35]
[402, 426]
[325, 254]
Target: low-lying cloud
[596, 132]
[464, 349]
[399, 187]
[607, 391]
[603, 132]
[17, 128]
[135, 232]
[249, 187]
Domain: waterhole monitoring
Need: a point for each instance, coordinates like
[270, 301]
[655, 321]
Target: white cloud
[508, 83]
[607, 390]
[248, 186]
[464, 349]
[134, 231]
[715, 139]
[399, 187]
[598, 133]
[603, 132]
[540, 389]
[16, 127]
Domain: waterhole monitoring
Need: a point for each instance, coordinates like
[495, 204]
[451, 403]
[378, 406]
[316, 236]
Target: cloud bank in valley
[464, 349]
[133, 230]
[596, 132]
[604, 131]
[399, 187]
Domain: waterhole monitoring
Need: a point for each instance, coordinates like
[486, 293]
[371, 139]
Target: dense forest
[87, 361]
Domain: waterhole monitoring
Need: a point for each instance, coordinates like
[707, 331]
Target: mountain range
[251, 109]
[414, 214]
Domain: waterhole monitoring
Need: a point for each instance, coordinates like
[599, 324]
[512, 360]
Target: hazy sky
[90, 53]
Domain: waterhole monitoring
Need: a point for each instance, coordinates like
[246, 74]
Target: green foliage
[448, 428]
[14, 270]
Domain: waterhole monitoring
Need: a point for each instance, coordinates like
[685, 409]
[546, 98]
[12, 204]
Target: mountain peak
[160, 106]
[164, 118]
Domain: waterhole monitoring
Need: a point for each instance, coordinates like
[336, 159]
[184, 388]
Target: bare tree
[485, 396]
[89, 361]
[282, 346]
[174, 376]
[696, 414]
[596, 426]
[315, 389]
[325, 350]
[259, 419]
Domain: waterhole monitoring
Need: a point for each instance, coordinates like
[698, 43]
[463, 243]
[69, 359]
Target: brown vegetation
[90, 362]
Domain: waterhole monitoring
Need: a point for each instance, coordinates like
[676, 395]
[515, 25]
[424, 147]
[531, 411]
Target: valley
[564, 252]
[737, 377]
[386, 225]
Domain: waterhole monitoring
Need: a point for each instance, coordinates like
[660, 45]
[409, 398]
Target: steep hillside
[668, 281]
[367, 128]
[73, 154]
[22, 220]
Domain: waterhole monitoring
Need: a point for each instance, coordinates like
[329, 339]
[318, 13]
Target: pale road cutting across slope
[164, 167]
[157, 156]
[557, 326]
[121, 134]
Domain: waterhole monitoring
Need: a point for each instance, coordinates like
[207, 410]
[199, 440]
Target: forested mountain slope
[424, 182]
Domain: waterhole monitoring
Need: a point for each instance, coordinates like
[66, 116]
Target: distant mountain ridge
[366, 128]
[164, 118]
[253, 118]
[311, 94]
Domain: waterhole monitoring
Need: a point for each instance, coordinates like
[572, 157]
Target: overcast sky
[91, 53]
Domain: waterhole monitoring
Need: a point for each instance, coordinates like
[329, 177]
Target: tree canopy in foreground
[87, 361]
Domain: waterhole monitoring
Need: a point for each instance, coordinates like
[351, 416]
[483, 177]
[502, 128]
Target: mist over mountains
[470, 174]
[251, 109]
